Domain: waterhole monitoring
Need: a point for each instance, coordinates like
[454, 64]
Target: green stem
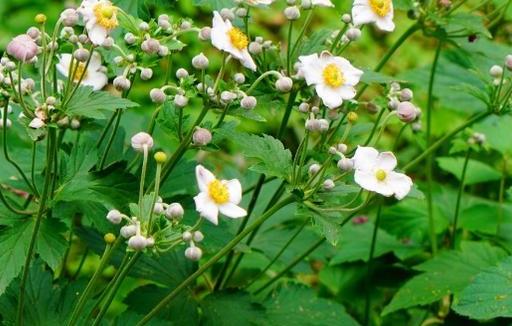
[289, 49]
[459, 197]
[287, 113]
[227, 248]
[105, 130]
[104, 156]
[501, 196]
[50, 155]
[374, 128]
[302, 32]
[143, 180]
[155, 196]
[370, 265]
[33, 167]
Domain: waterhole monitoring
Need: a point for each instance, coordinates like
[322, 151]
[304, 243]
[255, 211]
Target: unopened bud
[352, 117]
[255, 48]
[198, 236]
[406, 94]
[22, 48]
[284, 84]
[180, 101]
[345, 164]
[496, 71]
[137, 242]
[406, 112]
[144, 27]
[157, 95]
[121, 83]
[109, 238]
[292, 13]
[40, 18]
[304, 107]
[193, 253]
[314, 168]
[201, 137]
[128, 231]
[248, 102]
[328, 184]
[205, 33]
[239, 78]
[114, 216]
[346, 18]
[160, 157]
[146, 73]
[200, 61]
[142, 140]
[508, 62]
[187, 236]
[69, 17]
[353, 34]
[150, 46]
[227, 14]
[129, 38]
[181, 73]
[323, 125]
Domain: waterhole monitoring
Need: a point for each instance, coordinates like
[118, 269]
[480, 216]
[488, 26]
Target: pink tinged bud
[329, 184]
[200, 61]
[304, 107]
[314, 168]
[150, 242]
[33, 32]
[239, 78]
[226, 13]
[198, 236]
[157, 95]
[36, 123]
[508, 62]
[284, 84]
[346, 18]
[193, 253]
[180, 101]
[406, 112]
[201, 137]
[406, 94]
[22, 47]
[255, 48]
[128, 231]
[181, 73]
[248, 102]
[174, 211]
[345, 164]
[137, 242]
[323, 125]
[187, 236]
[69, 17]
[121, 83]
[141, 140]
[146, 73]
[292, 13]
[114, 216]
[359, 220]
[496, 71]
[353, 34]
[205, 33]
[150, 46]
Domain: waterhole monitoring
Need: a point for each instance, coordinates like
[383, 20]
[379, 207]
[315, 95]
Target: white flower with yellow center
[379, 12]
[217, 196]
[232, 40]
[322, 3]
[100, 17]
[374, 172]
[94, 75]
[334, 77]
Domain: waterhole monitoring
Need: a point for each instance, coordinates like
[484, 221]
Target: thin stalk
[32, 167]
[302, 32]
[143, 179]
[374, 128]
[459, 197]
[287, 113]
[501, 196]
[289, 49]
[105, 130]
[50, 155]
[370, 266]
[81, 264]
[227, 248]
[104, 156]
[155, 195]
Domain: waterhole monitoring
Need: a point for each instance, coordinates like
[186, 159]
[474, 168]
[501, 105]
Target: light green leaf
[497, 132]
[489, 295]
[477, 171]
[14, 244]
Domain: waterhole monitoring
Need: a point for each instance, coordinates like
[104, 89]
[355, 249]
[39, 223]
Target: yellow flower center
[333, 76]
[381, 7]
[381, 175]
[218, 192]
[105, 15]
[80, 72]
[238, 38]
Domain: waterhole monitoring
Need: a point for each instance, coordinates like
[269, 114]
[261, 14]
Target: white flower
[93, 76]
[322, 3]
[217, 195]
[100, 17]
[227, 38]
[334, 77]
[259, 2]
[374, 172]
[379, 12]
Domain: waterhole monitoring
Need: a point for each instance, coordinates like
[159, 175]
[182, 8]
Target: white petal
[322, 3]
[385, 23]
[311, 68]
[219, 31]
[97, 80]
[365, 158]
[362, 14]
[367, 180]
[232, 210]
[235, 191]
[386, 161]
[95, 62]
[347, 92]
[400, 183]
[97, 34]
[204, 177]
[207, 208]
[64, 63]
[331, 97]
[247, 61]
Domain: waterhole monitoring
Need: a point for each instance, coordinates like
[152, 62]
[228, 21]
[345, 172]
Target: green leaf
[269, 154]
[51, 244]
[96, 105]
[169, 119]
[214, 4]
[489, 295]
[299, 305]
[372, 77]
[477, 171]
[231, 309]
[497, 132]
[447, 273]
[14, 244]
[327, 225]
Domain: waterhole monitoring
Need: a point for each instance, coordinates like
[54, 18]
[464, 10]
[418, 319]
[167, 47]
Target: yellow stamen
[218, 192]
[381, 7]
[333, 76]
[380, 175]
[105, 15]
[238, 38]
[80, 72]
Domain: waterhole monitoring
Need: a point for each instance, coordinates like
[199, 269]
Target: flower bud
[160, 157]
[333, 150]
[353, 34]
[496, 71]
[81, 55]
[284, 84]
[129, 38]
[292, 13]
[328, 184]
[121, 83]
[239, 78]
[185, 25]
[227, 96]
[352, 117]
[306, 4]
[174, 211]
[83, 38]
[508, 62]
[205, 33]
[137, 242]
[312, 125]
[187, 236]
[150, 242]
[314, 168]
[180, 101]
[114, 216]
[63, 122]
[416, 127]
[128, 231]
[227, 14]
[157, 95]
[201, 137]
[144, 27]
[323, 125]
[248, 102]
[163, 51]
[22, 47]
[342, 148]
[345, 164]
[8, 123]
[150, 46]
[75, 123]
[255, 48]
[69, 17]
[146, 73]
[36, 123]
[304, 107]
[108, 43]
[141, 140]
[109, 238]
[33, 32]
[40, 18]
[406, 112]
[181, 73]
[478, 138]
[198, 236]
[163, 22]
[200, 61]
[241, 12]
[159, 208]
[346, 18]
[193, 253]
[406, 94]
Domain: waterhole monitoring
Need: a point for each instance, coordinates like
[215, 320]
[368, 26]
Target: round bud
[406, 94]
[345, 164]
[82, 38]
[163, 51]
[150, 242]
[239, 78]
[416, 126]
[181, 73]
[193, 253]
[248, 102]
[342, 148]
[185, 25]
[312, 124]
[142, 140]
[201, 137]
[227, 14]
[306, 4]
[40, 18]
[187, 236]
[406, 112]
[292, 13]
[314, 168]
[352, 117]
[304, 107]
[174, 211]
[75, 123]
[129, 38]
[346, 18]
[241, 12]
[198, 236]
[157, 95]
[108, 43]
[227, 96]
[393, 104]
[69, 17]
[200, 61]
[128, 231]
[114, 216]
[496, 71]
[315, 109]
[323, 125]
[205, 33]
[160, 157]
[22, 48]
[137, 242]
[51, 100]
[284, 84]
[255, 48]
[353, 34]
[508, 62]
[33, 32]
[36, 123]
[146, 73]
[109, 238]
[159, 208]
[333, 150]
[180, 101]
[328, 184]
[121, 83]
[478, 138]
[144, 27]
[150, 46]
